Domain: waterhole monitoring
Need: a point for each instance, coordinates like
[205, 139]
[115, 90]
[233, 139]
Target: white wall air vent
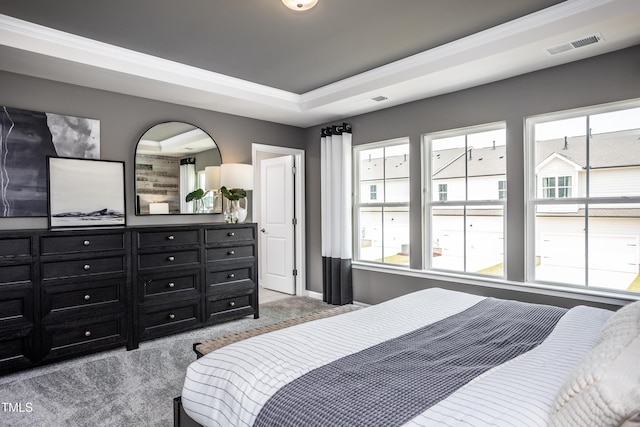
[576, 44]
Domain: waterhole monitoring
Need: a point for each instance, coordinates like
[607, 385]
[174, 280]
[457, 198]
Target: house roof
[608, 150]
[616, 149]
[258, 59]
[479, 162]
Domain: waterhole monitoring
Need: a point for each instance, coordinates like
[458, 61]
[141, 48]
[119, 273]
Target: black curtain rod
[336, 129]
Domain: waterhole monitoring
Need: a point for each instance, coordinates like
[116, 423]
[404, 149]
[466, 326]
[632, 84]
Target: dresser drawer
[169, 259]
[169, 318]
[81, 243]
[82, 267]
[148, 239]
[221, 309]
[20, 273]
[230, 235]
[15, 350]
[16, 306]
[13, 247]
[85, 335]
[229, 276]
[169, 283]
[234, 303]
[230, 253]
[84, 294]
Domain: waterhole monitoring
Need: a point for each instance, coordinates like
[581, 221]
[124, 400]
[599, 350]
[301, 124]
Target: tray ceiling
[261, 60]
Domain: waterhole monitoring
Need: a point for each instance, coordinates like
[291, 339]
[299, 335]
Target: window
[559, 187]
[584, 221]
[464, 215]
[442, 192]
[381, 215]
[549, 188]
[502, 190]
[564, 186]
[373, 192]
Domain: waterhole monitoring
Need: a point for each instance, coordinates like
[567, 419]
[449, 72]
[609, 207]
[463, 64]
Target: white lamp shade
[212, 177]
[158, 208]
[236, 175]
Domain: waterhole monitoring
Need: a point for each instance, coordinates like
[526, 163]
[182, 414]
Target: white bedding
[229, 386]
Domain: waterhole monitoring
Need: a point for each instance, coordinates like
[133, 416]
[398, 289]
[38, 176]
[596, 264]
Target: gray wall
[608, 78]
[123, 120]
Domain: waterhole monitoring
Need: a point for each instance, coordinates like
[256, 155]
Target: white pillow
[604, 389]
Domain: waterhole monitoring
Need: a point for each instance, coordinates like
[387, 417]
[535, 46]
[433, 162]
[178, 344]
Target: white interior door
[277, 224]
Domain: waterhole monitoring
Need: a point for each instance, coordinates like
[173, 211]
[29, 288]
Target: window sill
[590, 295]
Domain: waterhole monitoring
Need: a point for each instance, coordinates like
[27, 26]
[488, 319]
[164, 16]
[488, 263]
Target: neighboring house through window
[464, 216]
[583, 204]
[381, 189]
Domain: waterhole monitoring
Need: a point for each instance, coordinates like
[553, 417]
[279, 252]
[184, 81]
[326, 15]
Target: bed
[431, 358]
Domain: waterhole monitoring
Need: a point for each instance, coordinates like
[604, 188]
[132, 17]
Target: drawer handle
[86, 243]
[172, 316]
[231, 275]
[231, 253]
[87, 333]
[171, 284]
[171, 259]
[231, 234]
[87, 297]
[232, 304]
[86, 267]
[170, 237]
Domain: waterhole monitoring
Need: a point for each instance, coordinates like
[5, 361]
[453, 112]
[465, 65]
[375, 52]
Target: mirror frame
[170, 201]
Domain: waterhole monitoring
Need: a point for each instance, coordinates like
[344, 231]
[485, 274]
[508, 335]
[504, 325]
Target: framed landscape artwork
[85, 193]
[27, 139]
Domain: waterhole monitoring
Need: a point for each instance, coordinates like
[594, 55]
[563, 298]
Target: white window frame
[532, 200]
[428, 202]
[374, 204]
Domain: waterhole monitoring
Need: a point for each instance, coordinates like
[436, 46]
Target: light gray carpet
[124, 388]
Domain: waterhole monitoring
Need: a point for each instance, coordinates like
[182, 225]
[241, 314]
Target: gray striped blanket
[384, 385]
[232, 385]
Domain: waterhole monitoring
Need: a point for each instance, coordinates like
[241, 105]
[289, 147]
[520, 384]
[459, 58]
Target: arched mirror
[177, 171]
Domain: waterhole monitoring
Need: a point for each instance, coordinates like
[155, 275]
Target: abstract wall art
[27, 138]
[85, 193]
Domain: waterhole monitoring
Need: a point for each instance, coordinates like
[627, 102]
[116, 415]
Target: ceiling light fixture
[300, 5]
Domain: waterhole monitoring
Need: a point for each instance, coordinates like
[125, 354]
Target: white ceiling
[291, 88]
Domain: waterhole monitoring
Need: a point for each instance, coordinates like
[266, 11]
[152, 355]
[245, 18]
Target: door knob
[263, 230]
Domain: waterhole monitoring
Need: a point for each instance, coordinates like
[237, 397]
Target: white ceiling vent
[576, 44]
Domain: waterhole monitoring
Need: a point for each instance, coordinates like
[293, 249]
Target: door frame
[299, 204]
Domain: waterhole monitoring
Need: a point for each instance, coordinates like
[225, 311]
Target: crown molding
[39, 39]
[491, 41]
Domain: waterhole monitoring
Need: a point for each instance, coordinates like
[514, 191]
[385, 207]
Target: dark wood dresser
[84, 278]
[73, 292]
[18, 307]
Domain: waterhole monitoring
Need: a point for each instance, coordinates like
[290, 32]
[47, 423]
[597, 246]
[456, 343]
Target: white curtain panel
[335, 151]
[187, 183]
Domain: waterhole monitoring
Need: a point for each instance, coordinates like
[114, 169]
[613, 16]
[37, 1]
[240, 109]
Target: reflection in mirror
[175, 160]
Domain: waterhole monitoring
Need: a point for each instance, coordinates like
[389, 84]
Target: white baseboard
[318, 295]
